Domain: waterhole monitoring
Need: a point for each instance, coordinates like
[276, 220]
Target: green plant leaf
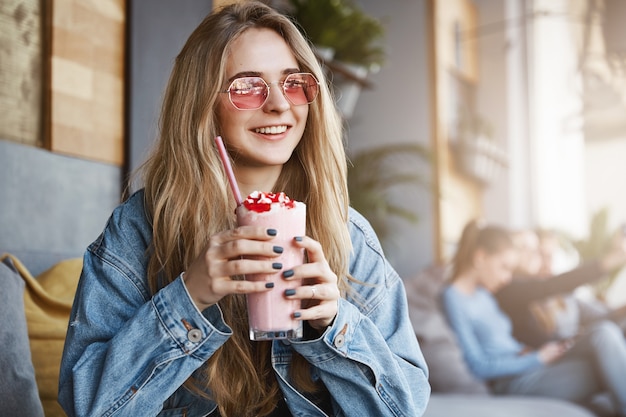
[595, 246]
[341, 25]
[374, 172]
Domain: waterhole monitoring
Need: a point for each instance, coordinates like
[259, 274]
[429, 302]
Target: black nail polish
[288, 273]
[277, 265]
[271, 232]
[269, 285]
[290, 292]
[298, 238]
[296, 314]
[277, 249]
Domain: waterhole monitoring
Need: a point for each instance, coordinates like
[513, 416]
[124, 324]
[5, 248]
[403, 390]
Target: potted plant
[477, 153]
[348, 41]
[595, 246]
[373, 172]
[341, 25]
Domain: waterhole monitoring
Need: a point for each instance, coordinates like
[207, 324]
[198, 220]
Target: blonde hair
[188, 200]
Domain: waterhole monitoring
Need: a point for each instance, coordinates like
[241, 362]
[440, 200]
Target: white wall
[501, 99]
[530, 88]
[556, 105]
[397, 110]
[605, 183]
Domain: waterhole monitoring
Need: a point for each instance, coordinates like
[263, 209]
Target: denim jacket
[128, 352]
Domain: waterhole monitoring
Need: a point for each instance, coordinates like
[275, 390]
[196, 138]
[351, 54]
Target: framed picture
[21, 75]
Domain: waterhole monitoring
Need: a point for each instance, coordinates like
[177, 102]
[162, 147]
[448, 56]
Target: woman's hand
[320, 292]
[209, 278]
[552, 351]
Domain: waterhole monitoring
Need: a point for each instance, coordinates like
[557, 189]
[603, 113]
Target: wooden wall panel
[85, 101]
[460, 198]
[21, 58]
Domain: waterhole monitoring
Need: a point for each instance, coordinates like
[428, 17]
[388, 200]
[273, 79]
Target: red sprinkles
[260, 202]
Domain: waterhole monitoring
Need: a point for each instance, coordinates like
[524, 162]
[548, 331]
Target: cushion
[449, 405]
[47, 305]
[448, 370]
[18, 388]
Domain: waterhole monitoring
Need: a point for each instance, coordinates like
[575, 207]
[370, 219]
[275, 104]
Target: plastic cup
[270, 313]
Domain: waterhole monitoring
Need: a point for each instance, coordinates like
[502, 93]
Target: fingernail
[277, 265]
[298, 238]
[290, 292]
[296, 314]
[271, 232]
[269, 285]
[288, 273]
[277, 249]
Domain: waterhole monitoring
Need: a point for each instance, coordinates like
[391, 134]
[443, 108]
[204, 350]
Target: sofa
[53, 206]
[455, 391]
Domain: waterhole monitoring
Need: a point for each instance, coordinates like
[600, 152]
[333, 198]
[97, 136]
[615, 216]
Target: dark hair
[476, 236]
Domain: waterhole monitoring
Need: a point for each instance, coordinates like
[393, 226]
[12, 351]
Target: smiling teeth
[272, 130]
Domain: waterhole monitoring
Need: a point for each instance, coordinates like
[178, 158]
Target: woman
[542, 305]
[159, 324]
[571, 370]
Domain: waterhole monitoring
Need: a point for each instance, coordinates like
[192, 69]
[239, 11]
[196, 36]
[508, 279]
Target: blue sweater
[484, 333]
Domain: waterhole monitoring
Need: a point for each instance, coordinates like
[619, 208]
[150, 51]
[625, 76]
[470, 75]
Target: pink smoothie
[270, 313]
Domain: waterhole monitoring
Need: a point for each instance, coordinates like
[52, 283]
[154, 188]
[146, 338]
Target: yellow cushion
[47, 303]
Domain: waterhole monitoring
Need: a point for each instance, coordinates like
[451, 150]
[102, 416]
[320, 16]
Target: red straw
[229, 170]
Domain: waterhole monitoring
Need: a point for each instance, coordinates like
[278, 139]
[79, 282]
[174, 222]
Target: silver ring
[313, 289]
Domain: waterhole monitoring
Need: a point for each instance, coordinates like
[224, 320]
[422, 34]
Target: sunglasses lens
[248, 93]
[301, 88]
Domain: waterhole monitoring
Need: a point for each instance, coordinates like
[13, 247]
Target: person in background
[575, 371]
[159, 324]
[552, 254]
[542, 305]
